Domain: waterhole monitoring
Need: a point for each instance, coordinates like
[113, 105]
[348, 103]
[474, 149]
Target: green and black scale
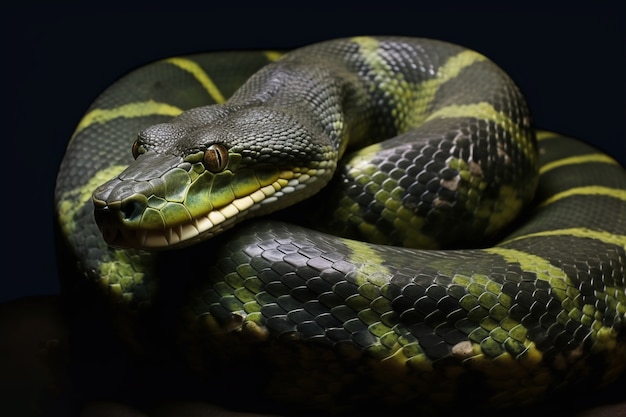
[308, 319]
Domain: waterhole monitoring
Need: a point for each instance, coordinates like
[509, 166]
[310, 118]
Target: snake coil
[432, 313]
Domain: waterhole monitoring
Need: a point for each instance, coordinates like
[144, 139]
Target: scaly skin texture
[309, 320]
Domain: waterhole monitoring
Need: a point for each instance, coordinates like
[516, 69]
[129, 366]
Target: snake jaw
[143, 219]
[175, 236]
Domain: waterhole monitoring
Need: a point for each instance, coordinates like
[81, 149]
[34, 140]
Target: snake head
[191, 181]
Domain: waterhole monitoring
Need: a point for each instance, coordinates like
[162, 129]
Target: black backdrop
[569, 61]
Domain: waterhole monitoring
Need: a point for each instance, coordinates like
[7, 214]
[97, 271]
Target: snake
[364, 223]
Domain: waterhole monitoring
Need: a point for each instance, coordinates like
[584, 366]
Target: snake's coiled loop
[527, 306]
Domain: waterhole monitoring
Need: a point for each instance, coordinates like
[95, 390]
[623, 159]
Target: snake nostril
[132, 209]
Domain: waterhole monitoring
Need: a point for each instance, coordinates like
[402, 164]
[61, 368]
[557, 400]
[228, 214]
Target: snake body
[329, 321]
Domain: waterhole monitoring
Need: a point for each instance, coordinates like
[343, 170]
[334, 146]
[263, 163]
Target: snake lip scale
[368, 223]
[193, 229]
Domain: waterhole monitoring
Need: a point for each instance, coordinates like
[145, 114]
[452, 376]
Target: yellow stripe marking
[545, 134]
[485, 111]
[528, 262]
[583, 232]
[455, 64]
[370, 263]
[582, 159]
[128, 111]
[588, 190]
[412, 101]
[363, 252]
[199, 74]
[272, 55]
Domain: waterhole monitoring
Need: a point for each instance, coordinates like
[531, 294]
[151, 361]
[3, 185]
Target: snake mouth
[112, 222]
[203, 227]
[121, 222]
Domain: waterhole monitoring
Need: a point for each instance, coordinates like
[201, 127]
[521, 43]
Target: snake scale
[494, 275]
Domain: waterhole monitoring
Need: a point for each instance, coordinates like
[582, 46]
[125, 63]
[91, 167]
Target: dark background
[569, 61]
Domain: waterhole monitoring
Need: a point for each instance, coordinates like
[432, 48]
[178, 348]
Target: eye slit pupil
[215, 158]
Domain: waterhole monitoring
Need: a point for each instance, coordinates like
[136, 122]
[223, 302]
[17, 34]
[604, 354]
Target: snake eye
[215, 158]
[137, 149]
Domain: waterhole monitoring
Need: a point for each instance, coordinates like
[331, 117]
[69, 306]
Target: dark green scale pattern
[428, 186]
[310, 320]
[500, 306]
[305, 291]
[561, 215]
[418, 161]
[471, 86]
[568, 213]
[590, 277]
